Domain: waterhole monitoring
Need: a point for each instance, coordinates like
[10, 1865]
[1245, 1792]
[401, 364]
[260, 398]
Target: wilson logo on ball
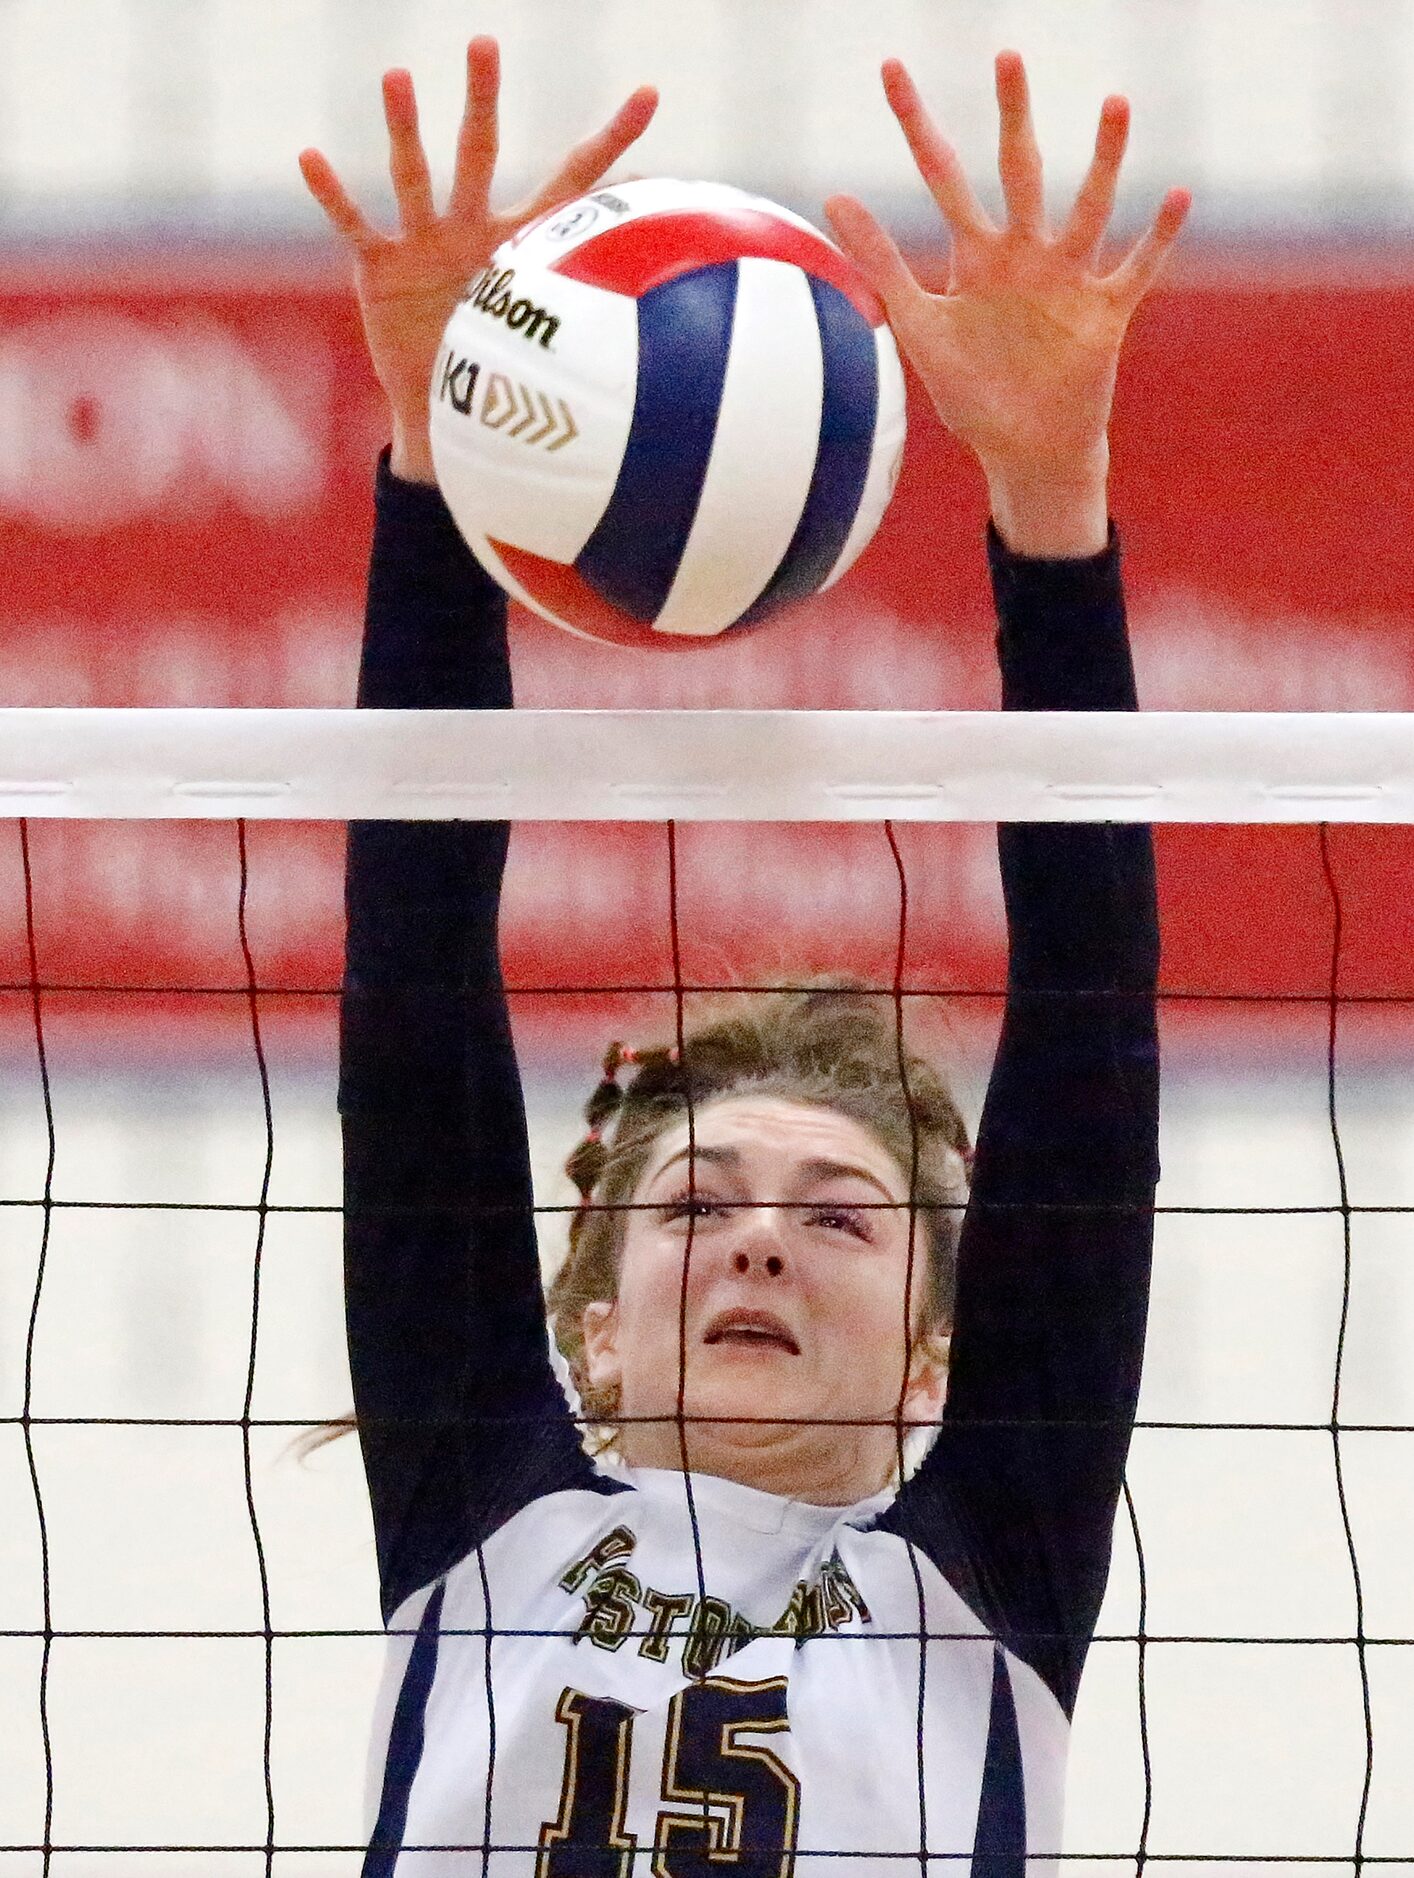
[492, 293]
[734, 398]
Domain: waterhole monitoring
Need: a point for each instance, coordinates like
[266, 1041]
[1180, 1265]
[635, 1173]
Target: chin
[727, 1398]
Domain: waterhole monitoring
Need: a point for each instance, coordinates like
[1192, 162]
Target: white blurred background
[125, 112]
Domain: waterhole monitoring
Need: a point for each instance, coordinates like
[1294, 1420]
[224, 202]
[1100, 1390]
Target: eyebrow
[813, 1170]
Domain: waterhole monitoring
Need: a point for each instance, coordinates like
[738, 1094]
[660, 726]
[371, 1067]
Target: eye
[842, 1219]
[692, 1206]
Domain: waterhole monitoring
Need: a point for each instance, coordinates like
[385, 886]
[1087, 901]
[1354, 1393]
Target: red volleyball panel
[564, 592]
[638, 256]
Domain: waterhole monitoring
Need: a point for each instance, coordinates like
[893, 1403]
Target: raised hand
[408, 283]
[1020, 353]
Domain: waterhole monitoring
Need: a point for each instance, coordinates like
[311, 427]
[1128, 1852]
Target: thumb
[875, 253]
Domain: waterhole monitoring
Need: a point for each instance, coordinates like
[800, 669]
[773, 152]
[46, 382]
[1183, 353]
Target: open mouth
[751, 1330]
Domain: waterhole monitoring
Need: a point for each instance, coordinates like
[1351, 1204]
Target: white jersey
[775, 1719]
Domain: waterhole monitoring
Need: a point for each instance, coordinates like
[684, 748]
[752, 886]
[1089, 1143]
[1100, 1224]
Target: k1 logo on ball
[458, 381]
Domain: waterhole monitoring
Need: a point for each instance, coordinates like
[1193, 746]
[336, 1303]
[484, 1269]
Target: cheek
[863, 1302]
[649, 1316]
[650, 1285]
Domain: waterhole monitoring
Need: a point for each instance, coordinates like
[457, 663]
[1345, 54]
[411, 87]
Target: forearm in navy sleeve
[446, 1322]
[1082, 920]
[1020, 1490]
[435, 629]
[1062, 634]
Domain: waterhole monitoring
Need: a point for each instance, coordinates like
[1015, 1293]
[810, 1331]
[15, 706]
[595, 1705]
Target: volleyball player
[593, 1669]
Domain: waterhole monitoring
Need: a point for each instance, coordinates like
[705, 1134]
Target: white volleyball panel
[763, 453]
[532, 401]
[802, 222]
[890, 435]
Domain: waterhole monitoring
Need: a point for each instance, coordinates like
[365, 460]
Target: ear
[599, 1322]
[927, 1378]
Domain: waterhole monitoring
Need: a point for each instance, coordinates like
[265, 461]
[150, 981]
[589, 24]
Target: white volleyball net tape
[832, 766]
[188, 1617]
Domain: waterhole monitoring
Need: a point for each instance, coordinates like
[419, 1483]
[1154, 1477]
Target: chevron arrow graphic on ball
[506, 399]
[529, 417]
[551, 421]
[500, 405]
[571, 428]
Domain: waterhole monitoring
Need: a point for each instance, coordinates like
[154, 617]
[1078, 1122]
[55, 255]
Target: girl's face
[786, 1298]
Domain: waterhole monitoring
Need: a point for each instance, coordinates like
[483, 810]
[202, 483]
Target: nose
[772, 1264]
[759, 1248]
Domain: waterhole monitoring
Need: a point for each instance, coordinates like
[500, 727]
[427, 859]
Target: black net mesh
[90, 1733]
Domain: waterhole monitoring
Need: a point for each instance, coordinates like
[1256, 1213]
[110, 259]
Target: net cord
[298, 1634]
[1142, 1640]
[257, 1272]
[489, 1633]
[914, 1158]
[1347, 1274]
[31, 1334]
[797, 766]
[953, 1860]
[680, 1040]
[295, 1208]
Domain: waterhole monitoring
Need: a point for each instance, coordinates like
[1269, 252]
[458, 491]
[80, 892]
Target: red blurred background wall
[185, 468]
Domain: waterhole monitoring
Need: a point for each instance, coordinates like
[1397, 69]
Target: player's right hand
[408, 283]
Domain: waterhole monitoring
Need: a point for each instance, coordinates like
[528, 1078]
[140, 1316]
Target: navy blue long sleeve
[1016, 1501]
[459, 1413]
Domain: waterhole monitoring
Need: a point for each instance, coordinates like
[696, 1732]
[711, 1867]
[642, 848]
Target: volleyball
[666, 411]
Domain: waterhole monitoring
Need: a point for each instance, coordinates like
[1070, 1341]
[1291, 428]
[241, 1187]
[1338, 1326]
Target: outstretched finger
[1018, 153]
[407, 160]
[1136, 274]
[937, 161]
[1094, 205]
[590, 160]
[347, 218]
[479, 139]
[875, 253]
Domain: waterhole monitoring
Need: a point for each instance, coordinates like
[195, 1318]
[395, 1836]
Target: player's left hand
[1019, 353]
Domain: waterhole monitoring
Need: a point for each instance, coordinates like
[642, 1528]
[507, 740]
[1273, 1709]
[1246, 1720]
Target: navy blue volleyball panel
[684, 337]
[848, 418]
